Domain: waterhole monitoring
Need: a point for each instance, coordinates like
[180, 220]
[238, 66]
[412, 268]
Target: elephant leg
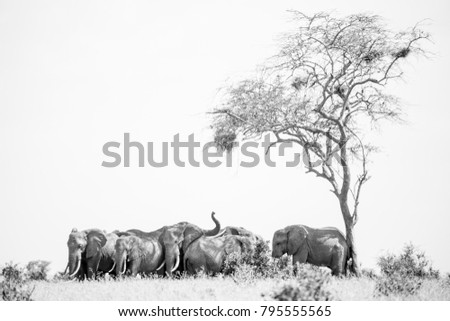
[337, 260]
[81, 275]
[92, 267]
[134, 268]
[188, 267]
[301, 255]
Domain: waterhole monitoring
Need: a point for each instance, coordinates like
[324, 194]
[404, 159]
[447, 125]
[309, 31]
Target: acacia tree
[321, 91]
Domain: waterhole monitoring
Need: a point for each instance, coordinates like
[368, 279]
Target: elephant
[318, 246]
[90, 251]
[144, 255]
[234, 230]
[154, 234]
[209, 253]
[177, 238]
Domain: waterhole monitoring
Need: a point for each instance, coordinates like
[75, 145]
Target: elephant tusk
[218, 235]
[77, 269]
[124, 267]
[176, 264]
[112, 269]
[160, 267]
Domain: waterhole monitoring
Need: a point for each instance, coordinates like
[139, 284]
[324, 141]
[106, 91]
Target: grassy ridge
[218, 288]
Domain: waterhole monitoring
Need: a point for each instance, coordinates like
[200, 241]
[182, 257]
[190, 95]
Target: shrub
[282, 268]
[259, 258]
[38, 270]
[231, 263]
[369, 273]
[258, 264]
[15, 285]
[309, 285]
[404, 273]
[258, 261]
[244, 274]
[399, 284]
[411, 262]
[60, 276]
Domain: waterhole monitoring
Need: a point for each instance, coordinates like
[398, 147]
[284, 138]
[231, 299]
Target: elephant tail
[216, 229]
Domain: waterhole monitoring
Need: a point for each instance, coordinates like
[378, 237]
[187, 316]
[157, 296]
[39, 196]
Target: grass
[217, 288]
[187, 289]
[250, 276]
[363, 289]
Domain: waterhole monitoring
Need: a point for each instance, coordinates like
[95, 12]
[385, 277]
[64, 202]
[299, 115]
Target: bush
[309, 285]
[369, 273]
[232, 263]
[258, 264]
[282, 268]
[404, 273]
[38, 270]
[15, 285]
[259, 258]
[60, 276]
[258, 261]
[411, 262]
[399, 284]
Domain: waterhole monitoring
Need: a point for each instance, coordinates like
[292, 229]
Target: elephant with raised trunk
[209, 253]
[177, 239]
[318, 246]
[138, 255]
[90, 251]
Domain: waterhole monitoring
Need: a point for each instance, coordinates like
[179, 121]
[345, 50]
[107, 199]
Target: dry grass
[219, 288]
[187, 289]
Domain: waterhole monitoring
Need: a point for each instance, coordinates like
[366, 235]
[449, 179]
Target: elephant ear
[120, 233]
[294, 240]
[137, 248]
[231, 245]
[232, 230]
[95, 241]
[245, 243]
[191, 233]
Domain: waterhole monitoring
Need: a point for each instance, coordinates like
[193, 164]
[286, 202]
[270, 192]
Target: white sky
[76, 74]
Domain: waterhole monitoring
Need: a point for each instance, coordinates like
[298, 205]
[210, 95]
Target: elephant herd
[185, 247]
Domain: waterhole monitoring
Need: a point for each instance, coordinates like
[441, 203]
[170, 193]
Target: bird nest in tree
[402, 53]
[371, 56]
[225, 141]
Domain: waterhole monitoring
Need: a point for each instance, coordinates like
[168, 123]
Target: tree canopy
[326, 84]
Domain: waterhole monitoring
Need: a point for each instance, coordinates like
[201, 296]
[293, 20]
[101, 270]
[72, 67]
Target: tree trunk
[352, 254]
[343, 202]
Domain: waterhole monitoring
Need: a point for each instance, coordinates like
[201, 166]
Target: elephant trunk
[65, 270]
[216, 229]
[277, 252]
[77, 268]
[274, 253]
[172, 257]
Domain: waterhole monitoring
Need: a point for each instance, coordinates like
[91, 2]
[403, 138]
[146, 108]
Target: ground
[219, 288]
